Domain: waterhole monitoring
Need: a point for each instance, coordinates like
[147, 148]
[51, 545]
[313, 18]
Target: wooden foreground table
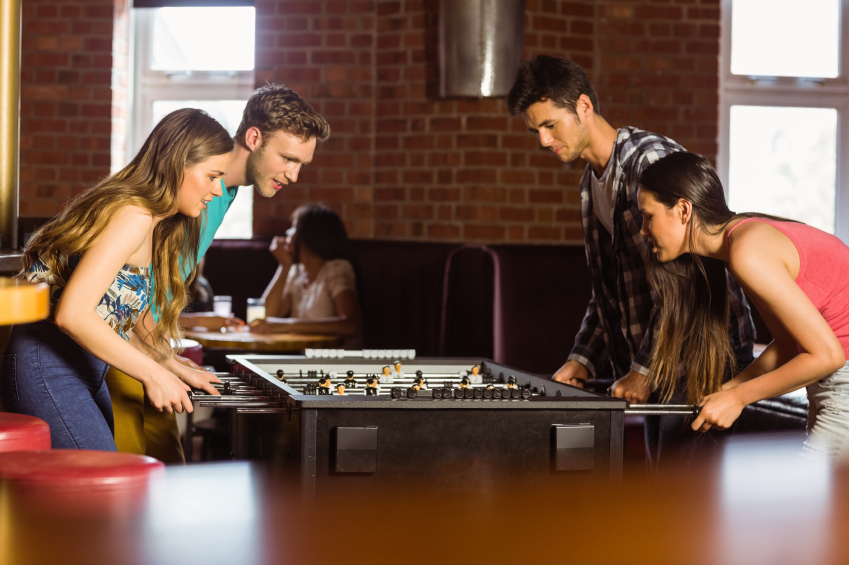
[246, 341]
[757, 504]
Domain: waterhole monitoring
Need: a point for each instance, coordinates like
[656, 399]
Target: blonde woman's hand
[194, 375]
[632, 387]
[719, 410]
[167, 393]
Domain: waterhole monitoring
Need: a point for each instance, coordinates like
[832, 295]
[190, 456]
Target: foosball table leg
[617, 444]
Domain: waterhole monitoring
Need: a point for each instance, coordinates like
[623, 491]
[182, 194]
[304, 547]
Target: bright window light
[783, 161]
[785, 38]
[203, 39]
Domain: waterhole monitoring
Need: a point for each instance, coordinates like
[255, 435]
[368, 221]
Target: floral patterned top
[124, 302]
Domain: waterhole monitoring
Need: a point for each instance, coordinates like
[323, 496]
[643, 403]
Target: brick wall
[66, 100]
[462, 169]
[401, 163]
[658, 68]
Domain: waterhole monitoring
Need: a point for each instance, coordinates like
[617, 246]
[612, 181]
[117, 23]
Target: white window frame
[811, 92]
[150, 85]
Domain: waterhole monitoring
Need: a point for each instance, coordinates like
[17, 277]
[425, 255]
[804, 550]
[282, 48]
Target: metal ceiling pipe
[481, 46]
[10, 100]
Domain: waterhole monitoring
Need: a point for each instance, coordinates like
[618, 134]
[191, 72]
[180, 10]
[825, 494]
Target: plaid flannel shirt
[619, 317]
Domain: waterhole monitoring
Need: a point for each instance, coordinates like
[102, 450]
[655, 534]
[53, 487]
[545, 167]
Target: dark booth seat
[444, 298]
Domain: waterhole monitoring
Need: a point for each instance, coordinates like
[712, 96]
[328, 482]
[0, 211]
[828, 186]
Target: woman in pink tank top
[795, 275]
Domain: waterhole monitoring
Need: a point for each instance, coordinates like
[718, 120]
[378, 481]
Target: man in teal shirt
[277, 136]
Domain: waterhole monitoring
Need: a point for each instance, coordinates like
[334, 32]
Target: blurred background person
[315, 289]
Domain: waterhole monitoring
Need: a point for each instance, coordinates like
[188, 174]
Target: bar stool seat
[19, 432]
[78, 481]
[192, 350]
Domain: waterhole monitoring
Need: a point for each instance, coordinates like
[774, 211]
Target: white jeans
[828, 418]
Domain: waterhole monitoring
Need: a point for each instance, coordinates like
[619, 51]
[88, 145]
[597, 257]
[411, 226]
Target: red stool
[192, 350]
[23, 433]
[77, 482]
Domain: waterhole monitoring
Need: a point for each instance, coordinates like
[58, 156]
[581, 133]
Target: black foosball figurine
[465, 382]
[340, 389]
[371, 385]
[419, 382]
[281, 375]
[350, 382]
[324, 385]
[511, 382]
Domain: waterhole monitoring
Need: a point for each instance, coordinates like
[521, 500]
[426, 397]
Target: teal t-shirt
[212, 218]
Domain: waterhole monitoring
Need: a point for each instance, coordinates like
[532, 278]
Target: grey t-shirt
[604, 193]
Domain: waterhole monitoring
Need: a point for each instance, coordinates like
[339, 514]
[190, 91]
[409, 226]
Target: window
[188, 58]
[784, 110]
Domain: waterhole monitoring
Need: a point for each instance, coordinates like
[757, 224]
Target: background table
[247, 341]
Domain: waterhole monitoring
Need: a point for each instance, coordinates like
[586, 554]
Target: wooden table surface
[22, 302]
[755, 504]
[247, 341]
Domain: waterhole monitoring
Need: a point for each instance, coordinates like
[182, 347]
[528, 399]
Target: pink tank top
[823, 272]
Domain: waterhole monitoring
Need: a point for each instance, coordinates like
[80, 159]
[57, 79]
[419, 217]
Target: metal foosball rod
[664, 410]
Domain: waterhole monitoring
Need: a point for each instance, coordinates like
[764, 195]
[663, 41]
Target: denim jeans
[828, 418]
[46, 374]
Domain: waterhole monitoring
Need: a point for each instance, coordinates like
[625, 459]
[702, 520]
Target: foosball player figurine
[340, 389]
[511, 382]
[371, 386]
[419, 381]
[350, 382]
[475, 375]
[324, 385]
[386, 377]
[281, 375]
[397, 373]
[465, 382]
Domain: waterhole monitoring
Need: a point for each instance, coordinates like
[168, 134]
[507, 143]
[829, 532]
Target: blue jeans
[828, 418]
[46, 374]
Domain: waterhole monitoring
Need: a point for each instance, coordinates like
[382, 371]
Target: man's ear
[253, 139]
[584, 105]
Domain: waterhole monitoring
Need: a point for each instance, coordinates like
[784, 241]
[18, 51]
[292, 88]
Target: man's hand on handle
[572, 373]
[633, 387]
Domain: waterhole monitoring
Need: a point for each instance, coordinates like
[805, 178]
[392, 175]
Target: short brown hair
[550, 78]
[274, 108]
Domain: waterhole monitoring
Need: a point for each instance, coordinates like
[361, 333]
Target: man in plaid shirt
[559, 104]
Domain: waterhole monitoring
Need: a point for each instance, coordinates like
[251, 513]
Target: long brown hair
[151, 181]
[692, 291]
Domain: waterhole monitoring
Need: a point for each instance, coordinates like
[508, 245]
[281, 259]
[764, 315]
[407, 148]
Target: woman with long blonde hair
[97, 256]
[796, 276]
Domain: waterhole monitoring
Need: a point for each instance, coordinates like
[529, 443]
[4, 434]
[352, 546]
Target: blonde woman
[96, 256]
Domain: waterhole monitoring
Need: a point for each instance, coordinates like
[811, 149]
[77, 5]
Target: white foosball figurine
[386, 376]
[397, 373]
[474, 375]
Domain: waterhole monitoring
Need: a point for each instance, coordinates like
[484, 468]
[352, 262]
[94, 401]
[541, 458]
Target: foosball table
[339, 420]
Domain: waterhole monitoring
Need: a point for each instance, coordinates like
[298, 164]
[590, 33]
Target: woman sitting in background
[314, 289]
